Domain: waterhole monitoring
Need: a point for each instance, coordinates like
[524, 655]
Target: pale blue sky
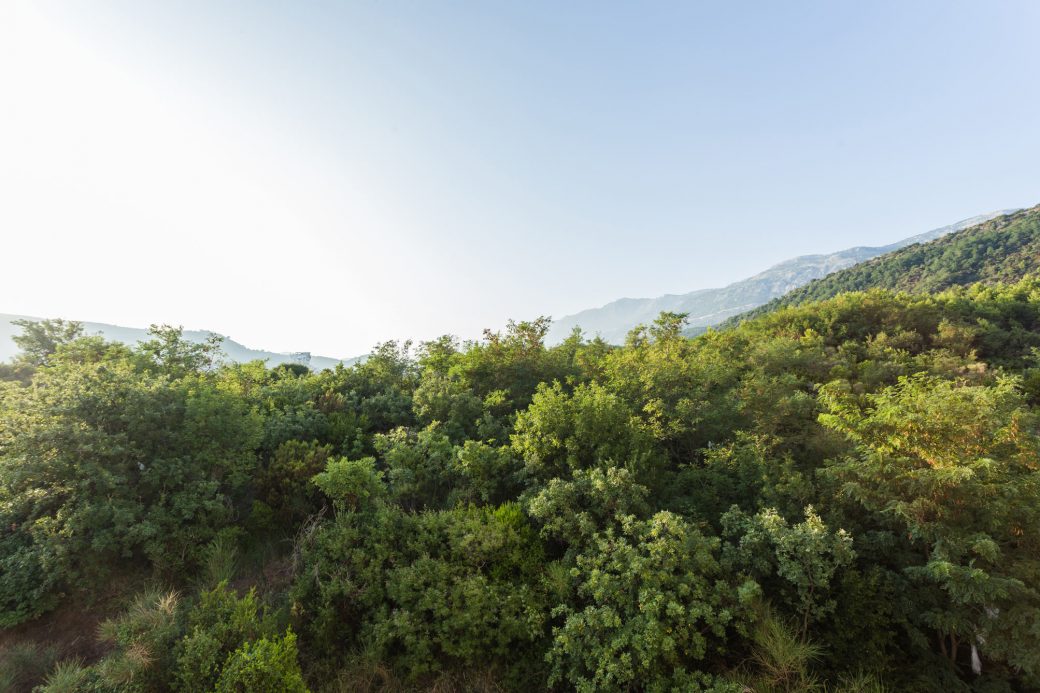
[325, 175]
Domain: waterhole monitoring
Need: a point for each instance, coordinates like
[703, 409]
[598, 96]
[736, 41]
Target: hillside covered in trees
[708, 307]
[1004, 249]
[837, 496]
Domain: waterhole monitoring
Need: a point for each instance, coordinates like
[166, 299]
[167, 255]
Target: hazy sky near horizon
[322, 176]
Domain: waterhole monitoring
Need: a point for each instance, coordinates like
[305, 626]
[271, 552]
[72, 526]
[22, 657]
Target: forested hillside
[836, 496]
[1004, 249]
[708, 307]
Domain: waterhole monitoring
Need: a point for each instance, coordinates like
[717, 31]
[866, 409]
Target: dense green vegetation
[837, 496]
[1004, 249]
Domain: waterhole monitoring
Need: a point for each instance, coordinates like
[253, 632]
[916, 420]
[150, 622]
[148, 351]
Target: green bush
[563, 432]
[651, 604]
[284, 483]
[489, 475]
[215, 627]
[805, 559]
[421, 468]
[424, 592]
[105, 461]
[263, 666]
[351, 484]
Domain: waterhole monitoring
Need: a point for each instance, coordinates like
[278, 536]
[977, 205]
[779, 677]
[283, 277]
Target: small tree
[953, 468]
[805, 556]
[176, 356]
[39, 340]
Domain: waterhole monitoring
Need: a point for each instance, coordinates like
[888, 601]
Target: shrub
[104, 463]
[351, 484]
[651, 605]
[561, 433]
[426, 592]
[421, 467]
[284, 483]
[263, 666]
[218, 625]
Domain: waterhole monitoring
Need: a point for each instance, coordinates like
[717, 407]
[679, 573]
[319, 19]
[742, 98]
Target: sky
[324, 176]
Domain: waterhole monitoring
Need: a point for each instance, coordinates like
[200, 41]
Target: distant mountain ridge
[707, 307]
[233, 351]
[1003, 249]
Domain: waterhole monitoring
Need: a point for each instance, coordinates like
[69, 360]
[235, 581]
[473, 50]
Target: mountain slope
[1004, 249]
[712, 306]
[131, 335]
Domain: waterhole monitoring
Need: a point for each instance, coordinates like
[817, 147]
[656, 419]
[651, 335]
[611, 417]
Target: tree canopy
[841, 495]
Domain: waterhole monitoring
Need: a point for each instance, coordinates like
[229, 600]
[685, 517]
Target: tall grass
[221, 560]
[781, 662]
[69, 676]
[140, 636]
[24, 664]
